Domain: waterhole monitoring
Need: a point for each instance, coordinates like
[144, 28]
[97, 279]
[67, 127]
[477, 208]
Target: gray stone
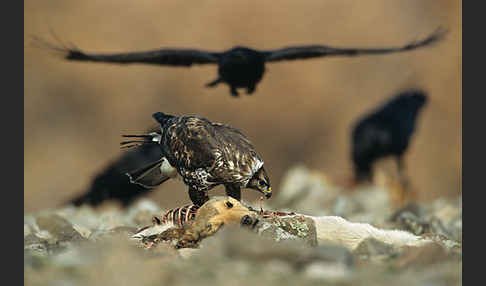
[289, 228]
[242, 244]
[306, 191]
[374, 247]
[59, 228]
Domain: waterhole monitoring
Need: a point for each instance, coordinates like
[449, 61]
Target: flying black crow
[239, 67]
[205, 154]
[385, 132]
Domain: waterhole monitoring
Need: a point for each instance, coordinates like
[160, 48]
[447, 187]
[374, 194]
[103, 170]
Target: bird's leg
[234, 92]
[250, 89]
[401, 171]
[198, 197]
[233, 191]
[397, 182]
[400, 164]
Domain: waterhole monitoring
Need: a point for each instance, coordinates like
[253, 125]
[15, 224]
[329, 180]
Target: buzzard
[111, 183]
[239, 67]
[205, 154]
[385, 132]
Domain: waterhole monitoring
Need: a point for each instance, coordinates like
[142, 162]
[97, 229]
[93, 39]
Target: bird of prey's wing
[170, 57]
[238, 153]
[232, 134]
[305, 52]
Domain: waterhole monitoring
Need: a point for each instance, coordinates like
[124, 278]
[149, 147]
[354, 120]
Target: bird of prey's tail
[140, 139]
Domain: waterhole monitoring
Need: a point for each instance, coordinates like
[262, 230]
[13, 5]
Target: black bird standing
[385, 132]
[205, 154]
[239, 67]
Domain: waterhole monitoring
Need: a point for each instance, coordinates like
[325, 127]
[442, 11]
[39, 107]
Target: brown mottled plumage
[205, 155]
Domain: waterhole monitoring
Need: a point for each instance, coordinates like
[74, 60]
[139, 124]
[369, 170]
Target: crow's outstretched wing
[305, 52]
[170, 57]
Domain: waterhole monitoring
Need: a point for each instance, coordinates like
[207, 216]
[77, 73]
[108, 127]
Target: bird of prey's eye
[229, 204]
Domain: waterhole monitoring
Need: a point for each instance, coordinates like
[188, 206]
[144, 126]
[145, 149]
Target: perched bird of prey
[113, 184]
[239, 67]
[385, 132]
[205, 154]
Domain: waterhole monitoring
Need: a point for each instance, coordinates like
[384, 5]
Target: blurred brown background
[301, 112]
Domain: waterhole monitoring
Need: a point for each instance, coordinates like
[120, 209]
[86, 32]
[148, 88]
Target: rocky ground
[104, 246]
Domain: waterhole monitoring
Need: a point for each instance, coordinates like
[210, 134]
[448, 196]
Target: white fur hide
[337, 230]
